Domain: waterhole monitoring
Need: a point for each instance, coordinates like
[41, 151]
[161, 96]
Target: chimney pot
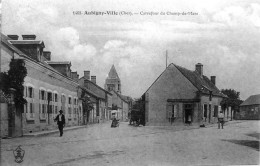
[13, 37]
[213, 79]
[29, 37]
[87, 75]
[199, 69]
[94, 79]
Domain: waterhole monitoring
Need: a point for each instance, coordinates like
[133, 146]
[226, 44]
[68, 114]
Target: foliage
[14, 78]
[232, 99]
[86, 104]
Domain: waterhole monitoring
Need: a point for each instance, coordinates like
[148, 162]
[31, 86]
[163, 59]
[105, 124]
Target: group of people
[61, 121]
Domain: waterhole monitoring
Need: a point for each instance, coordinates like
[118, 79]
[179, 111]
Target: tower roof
[112, 73]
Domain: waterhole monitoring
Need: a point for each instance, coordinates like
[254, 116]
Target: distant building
[250, 108]
[100, 98]
[113, 81]
[179, 94]
[121, 103]
[48, 87]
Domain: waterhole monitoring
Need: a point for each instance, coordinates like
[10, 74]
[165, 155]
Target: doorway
[188, 113]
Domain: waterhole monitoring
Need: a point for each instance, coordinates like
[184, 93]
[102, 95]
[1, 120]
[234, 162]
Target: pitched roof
[252, 100]
[5, 39]
[112, 73]
[27, 42]
[120, 96]
[107, 92]
[58, 62]
[201, 83]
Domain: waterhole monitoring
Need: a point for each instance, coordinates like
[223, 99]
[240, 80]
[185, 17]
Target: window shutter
[39, 108]
[26, 91]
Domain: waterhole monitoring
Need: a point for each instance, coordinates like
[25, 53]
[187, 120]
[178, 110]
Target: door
[188, 113]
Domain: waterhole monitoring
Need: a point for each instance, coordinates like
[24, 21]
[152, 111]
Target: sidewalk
[43, 133]
[177, 128]
[47, 132]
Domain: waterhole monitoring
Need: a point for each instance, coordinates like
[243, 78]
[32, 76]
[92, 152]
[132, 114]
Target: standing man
[220, 119]
[60, 122]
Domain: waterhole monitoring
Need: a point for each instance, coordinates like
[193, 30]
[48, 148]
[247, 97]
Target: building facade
[100, 99]
[46, 89]
[179, 94]
[249, 109]
[120, 104]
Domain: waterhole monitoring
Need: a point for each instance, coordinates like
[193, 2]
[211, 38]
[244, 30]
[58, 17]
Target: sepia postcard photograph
[129, 82]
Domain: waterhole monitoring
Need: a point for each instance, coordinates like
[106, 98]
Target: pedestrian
[60, 122]
[220, 119]
[189, 120]
[114, 122]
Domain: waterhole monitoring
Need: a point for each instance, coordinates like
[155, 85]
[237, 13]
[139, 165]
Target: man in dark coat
[60, 122]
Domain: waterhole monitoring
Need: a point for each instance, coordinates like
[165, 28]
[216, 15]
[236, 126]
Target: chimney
[199, 69]
[87, 75]
[29, 37]
[93, 79]
[74, 76]
[13, 37]
[213, 79]
[47, 55]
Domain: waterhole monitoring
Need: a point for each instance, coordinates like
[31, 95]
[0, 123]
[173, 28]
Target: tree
[86, 104]
[232, 100]
[14, 78]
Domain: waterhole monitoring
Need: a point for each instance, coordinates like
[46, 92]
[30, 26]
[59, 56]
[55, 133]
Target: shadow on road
[250, 143]
[256, 135]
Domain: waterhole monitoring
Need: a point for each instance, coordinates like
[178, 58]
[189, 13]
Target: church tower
[113, 81]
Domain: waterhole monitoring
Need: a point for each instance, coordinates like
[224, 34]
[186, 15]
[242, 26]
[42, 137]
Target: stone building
[179, 93]
[47, 88]
[249, 109]
[120, 104]
[113, 81]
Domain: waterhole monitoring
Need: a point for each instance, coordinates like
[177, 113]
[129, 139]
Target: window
[30, 113]
[69, 112]
[42, 111]
[75, 112]
[69, 100]
[49, 96]
[30, 92]
[56, 110]
[75, 101]
[56, 97]
[42, 95]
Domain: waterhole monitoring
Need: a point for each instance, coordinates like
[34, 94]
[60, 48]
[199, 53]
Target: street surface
[236, 144]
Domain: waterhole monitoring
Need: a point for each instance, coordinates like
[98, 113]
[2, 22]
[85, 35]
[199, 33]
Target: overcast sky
[223, 36]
